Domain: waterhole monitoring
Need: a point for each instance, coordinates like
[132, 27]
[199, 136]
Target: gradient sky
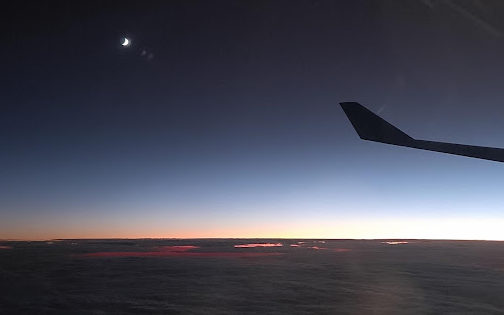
[229, 124]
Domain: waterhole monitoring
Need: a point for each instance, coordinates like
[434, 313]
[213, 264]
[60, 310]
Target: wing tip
[372, 127]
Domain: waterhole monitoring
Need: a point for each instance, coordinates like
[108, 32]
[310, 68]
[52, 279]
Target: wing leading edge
[370, 126]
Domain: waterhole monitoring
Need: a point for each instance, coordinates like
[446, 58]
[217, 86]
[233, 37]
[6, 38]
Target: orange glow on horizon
[454, 228]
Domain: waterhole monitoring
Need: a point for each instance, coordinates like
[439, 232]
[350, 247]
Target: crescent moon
[126, 42]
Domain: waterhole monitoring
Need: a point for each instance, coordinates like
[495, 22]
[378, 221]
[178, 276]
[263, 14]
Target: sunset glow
[461, 227]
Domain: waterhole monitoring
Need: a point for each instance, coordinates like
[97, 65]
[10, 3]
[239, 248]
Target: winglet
[371, 127]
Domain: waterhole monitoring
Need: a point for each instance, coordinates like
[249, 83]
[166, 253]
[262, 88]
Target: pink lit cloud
[395, 242]
[177, 251]
[316, 247]
[337, 250]
[183, 248]
[252, 245]
[178, 254]
[340, 250]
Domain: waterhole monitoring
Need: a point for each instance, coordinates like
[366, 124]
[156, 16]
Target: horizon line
[247, 238]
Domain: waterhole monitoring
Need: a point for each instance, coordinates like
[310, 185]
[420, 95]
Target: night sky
[221, 119]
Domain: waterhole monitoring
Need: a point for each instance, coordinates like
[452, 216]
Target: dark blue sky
[228, 125]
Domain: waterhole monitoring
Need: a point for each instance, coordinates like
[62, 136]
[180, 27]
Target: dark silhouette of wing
[371, 127]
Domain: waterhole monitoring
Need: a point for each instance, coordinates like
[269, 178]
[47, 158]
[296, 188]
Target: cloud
[395, 242]
[176, 251]
[316, 247]
[183, 248]
[251, 245]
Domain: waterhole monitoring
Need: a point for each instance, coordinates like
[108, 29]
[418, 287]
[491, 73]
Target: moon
[126, 42]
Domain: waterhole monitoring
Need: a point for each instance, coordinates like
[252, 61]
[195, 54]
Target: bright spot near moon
[126, 42]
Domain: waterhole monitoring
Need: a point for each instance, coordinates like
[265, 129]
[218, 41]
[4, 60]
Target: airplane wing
[371, 127]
